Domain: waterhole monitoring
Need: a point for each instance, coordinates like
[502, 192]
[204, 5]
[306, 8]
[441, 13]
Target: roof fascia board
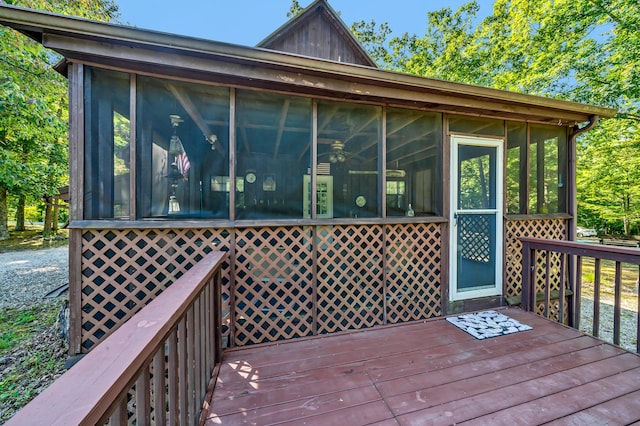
[82, 51]
[76, 30]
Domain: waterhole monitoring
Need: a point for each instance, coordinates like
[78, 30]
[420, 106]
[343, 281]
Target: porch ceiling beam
[429, 152]
[269, 127]
[283, 121]
[408, 141]
[404, 143]
[360, 83]
[327, 119]
[479, 128]
[406, 123]
[193, 112]
[358, 131]
[321, 127]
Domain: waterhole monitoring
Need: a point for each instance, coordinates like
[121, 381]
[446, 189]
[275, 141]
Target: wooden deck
[430, 372]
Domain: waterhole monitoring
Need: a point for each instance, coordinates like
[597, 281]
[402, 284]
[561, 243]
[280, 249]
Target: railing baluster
[197, 364]
[191, 373]
[200, 352]
[203, 346]
[209, 329]
[142, 398]
[120, 417]
[596, 298]
[172, 348]
[212, 324]
[617, 303]
[577, 293]
[182, 368]
[159, 389]
[547, 284]
[561, 300]
[217, 316]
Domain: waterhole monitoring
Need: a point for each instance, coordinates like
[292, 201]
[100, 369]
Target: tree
[447, 51]
[30, 130]
[609, 156]
[580, 50]
[33, 108]
[611, 187]
[374, 38]
[441, 53]
[295, 9]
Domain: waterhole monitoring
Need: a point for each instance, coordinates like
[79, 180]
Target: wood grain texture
[429, 372]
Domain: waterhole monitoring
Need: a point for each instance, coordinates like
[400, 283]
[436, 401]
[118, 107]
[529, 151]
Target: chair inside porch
[429, 372]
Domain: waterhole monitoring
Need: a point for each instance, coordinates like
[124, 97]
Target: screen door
[476, 217]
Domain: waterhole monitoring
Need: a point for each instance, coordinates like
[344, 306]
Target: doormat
[487, 324]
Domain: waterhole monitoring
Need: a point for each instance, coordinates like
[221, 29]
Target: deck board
[471, 407]
[430, 372]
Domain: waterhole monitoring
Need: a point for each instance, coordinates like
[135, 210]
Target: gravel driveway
[27, 276]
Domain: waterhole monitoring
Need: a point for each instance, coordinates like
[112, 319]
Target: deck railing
[155, 369]
[571, 272]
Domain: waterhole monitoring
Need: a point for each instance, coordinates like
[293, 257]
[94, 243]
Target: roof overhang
[152, 52]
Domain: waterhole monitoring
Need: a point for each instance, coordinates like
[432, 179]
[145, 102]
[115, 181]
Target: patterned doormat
[486, 324]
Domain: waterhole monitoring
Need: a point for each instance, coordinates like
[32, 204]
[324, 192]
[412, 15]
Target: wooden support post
[527, 300]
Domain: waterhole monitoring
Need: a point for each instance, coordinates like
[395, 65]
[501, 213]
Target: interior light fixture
[212, 139]
[337, 153]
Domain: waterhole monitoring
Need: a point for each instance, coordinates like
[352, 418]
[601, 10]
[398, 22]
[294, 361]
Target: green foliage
[33, 107]
[121, 143]
[32, 239]
[34, 354]
[609, 178]
[16, 325]
[295, 9]
[99, 10]
[447, 51]
[374, 38]
[32, 214]
[580, 50]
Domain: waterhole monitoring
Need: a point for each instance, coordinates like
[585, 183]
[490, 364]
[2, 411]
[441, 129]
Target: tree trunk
[47, 217]
[54, 220]
[4, 214]
[626, 208]
[627, 226]
[20, 213]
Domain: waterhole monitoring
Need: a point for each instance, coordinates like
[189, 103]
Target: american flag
[182, 161]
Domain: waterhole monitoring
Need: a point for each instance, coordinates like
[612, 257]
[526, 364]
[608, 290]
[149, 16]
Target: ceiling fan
[336, 153]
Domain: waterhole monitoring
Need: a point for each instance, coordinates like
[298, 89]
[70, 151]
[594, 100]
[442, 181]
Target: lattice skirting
[535, 228]
[123, 270]
[279, 283]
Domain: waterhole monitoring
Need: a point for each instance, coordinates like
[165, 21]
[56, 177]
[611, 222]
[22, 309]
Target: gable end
[318, 32]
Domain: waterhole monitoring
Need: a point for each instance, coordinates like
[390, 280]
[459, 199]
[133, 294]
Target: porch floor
[430, 372]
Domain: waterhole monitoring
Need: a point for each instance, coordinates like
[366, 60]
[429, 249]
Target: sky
[247, 22]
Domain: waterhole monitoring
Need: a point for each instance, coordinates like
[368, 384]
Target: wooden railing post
[528, 303]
